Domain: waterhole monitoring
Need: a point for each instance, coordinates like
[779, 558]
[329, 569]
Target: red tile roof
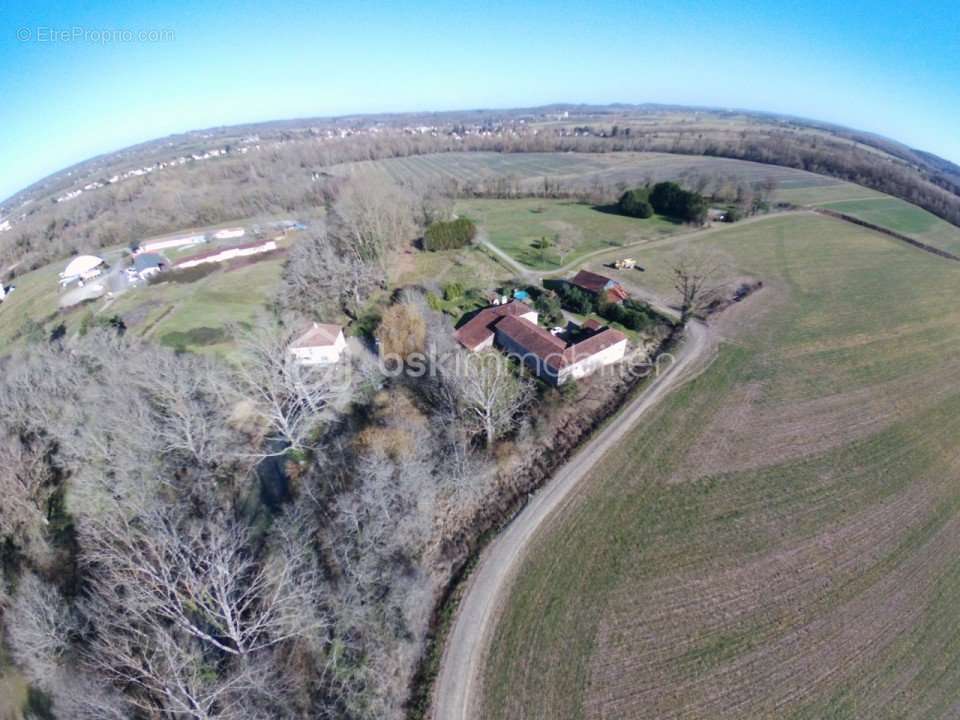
[617, 294]
[551, 350]
[480, 327]
[590, 281]
[591, 324]
[592, 345]
[320, 335]
[595, 283]
[533, 339]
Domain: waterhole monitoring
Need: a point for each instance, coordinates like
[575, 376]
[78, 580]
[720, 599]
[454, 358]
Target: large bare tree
[491, 393]
[696, 279]
[288, 400]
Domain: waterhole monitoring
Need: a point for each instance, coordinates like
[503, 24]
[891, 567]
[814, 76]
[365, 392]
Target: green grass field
[903, 217]
[780, 538]
[517, 226]
[237, 296]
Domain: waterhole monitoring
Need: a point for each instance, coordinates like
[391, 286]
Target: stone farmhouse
[513, 328]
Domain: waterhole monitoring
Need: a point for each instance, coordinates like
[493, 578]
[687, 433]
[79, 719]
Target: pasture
[902, 217]
[155, 311]
[518, 226]
[779, 538]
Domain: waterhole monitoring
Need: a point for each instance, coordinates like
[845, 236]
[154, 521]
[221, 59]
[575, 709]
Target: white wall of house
[590, 364]
[320, 355]
[484, 344]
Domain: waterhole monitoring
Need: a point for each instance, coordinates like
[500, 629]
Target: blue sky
[889, 66]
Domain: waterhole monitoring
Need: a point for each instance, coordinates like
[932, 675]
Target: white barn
[322, 344]
[81, 269]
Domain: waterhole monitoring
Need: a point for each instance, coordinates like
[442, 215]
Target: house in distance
[322, 344]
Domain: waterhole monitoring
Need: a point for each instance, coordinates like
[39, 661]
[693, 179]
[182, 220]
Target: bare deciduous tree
[26, 487]
[39, 625]
[288, 399]
[491, 393]
[372, 218]
[321, 279]
[695, 278]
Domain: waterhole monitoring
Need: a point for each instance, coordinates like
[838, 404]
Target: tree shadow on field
[612, 209]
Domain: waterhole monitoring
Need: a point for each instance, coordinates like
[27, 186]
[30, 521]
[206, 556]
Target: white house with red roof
[555, 360]
[513, 327]
[322, 344]
[478, 332]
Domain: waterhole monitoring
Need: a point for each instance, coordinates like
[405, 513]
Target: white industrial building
[81, 269]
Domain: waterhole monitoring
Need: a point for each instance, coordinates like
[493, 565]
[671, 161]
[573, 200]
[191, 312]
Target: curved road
[457, 689]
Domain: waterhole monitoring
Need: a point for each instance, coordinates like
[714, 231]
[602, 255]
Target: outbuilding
[81, 269]
[147, 264]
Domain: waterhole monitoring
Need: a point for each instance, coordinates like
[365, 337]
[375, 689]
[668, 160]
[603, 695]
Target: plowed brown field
[781, 537]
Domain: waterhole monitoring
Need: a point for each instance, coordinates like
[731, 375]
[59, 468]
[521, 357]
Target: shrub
[549, 307]
[449, 235]
[636, 203]
[452, 291]
[631, 314]
[402, 331]
[197, 336]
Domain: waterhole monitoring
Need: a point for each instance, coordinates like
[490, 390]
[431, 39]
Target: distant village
[253, 144]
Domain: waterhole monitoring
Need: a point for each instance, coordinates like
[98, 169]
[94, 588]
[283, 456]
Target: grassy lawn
[13, 694]
[471, 267]
[168, 311]
[516, 226]
[35, 299]
[780, 537]
[835, 191]
[152, 311]
[903, 217]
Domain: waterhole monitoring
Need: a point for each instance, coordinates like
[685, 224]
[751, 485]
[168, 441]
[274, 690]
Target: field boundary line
[886, 231]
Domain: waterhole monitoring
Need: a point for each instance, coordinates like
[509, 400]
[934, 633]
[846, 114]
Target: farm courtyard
[780, 537]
